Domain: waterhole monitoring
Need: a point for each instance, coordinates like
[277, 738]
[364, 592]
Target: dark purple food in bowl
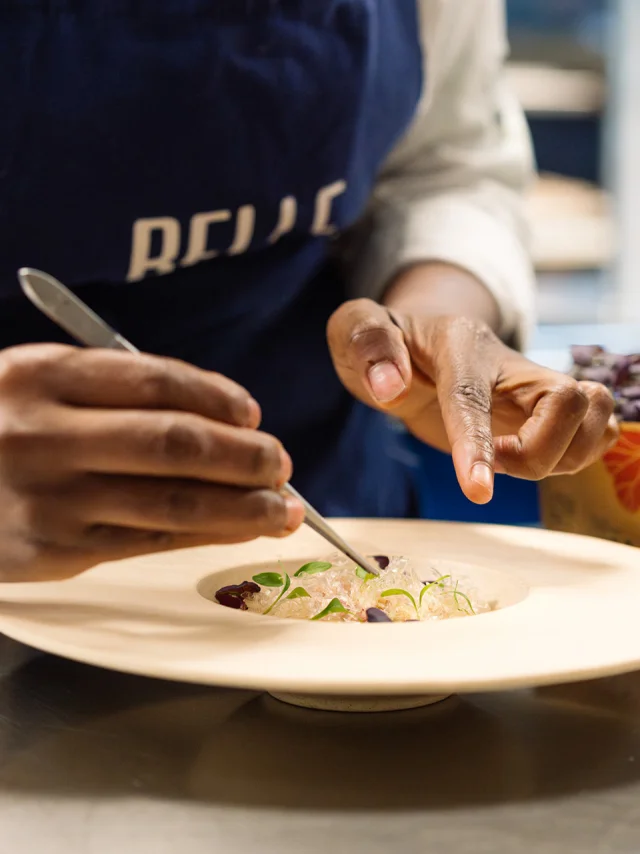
[375, 615]
[584, 354]
[620, 374]
[233, 595]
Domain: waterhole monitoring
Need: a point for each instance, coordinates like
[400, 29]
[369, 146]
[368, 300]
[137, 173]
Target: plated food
[336, 590]
[565, 609]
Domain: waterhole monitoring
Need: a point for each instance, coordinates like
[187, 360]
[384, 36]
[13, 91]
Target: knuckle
[154, 383]
[573, 399]
[470, 395]
[180, 442]
[271, 511]
[602, 401]
[368, 335]
[363, 330]
[179, 505]
[265, 459]
[236, 406]
[373, 343]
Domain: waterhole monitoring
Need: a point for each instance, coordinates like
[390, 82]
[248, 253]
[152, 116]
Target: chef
[308, 213]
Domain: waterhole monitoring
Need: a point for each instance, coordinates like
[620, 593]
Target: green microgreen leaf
[286, 586]
[269, 579]
[313, 568]
[299, 593]
[456, 594]
[363, 574]
[439, 582]
[334, 607]
[397, 591]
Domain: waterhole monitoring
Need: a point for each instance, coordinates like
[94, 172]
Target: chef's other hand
[105, 455]
[457, 387]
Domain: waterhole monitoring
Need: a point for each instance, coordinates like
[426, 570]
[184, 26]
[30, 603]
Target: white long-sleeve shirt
[453, 188]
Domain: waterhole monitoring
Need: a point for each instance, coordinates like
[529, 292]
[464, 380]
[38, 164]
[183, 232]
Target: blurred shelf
[556, 49]
[547, 90]
[573, 226]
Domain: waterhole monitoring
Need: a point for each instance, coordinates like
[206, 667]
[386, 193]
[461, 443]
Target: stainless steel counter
[93, 762]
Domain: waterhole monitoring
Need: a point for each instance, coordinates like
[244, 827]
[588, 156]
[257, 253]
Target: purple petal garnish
[584, 355]
[375, 615]
[233, 595]
[598, 374]
[621, 374]
[382, 560]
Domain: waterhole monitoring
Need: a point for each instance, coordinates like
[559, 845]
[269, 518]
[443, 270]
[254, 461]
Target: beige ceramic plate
[569, 609]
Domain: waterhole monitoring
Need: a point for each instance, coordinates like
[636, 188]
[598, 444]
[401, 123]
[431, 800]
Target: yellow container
[604, 499]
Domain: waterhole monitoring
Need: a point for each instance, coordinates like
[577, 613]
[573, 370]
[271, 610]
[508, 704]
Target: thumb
[369, 353]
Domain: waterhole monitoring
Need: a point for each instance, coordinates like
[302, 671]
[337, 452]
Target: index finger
[466, 412]
[112, 379]
[465, 388]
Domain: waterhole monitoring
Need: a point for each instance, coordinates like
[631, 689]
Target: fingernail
[286, 468]
[482, 474]
[386, 382]
[295, 513]
[254, 413]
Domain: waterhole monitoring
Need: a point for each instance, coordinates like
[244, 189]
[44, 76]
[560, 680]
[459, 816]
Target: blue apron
[184, 165]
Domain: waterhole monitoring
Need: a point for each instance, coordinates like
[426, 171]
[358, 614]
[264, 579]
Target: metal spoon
[64, 308]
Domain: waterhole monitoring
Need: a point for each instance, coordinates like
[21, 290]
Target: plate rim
[36, 636]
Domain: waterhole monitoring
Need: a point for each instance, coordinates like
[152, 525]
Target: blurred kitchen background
[575, 65]
[565, 68]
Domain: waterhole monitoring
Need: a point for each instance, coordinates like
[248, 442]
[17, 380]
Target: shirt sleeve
[453, 190]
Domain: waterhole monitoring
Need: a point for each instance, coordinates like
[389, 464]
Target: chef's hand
[458, 388]
[105, 455]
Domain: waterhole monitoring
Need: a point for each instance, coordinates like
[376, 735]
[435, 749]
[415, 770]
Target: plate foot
[358, 704]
